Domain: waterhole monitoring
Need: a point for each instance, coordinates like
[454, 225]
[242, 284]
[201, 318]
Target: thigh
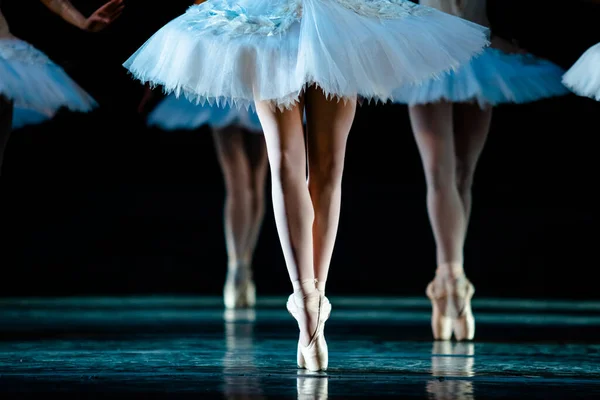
[256, 152]
[471, 127]
[328, 123]
[284, 135]
[433, 132]
[229, 145]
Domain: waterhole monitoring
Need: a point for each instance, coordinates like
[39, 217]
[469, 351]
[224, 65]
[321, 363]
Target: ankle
[321, 287]
[451, 270]
[304, 288]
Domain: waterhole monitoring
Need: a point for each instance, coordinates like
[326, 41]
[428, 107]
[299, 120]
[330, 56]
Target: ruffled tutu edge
[36, 85]
[583, 78]
[447, 56]
[491, 79]
[177, 113]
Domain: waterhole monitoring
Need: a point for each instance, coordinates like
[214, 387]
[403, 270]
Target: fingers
[116, 11]
[104, 20]
[114, 16]
[109, 12]
[113, 7]
[98, 23]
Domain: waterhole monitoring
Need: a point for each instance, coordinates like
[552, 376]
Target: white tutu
[178, 113]
[584, 77]
[234, 52]
[492, 78]
[37, 86]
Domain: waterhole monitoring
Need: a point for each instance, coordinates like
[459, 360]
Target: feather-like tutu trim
[228, 52]
[583, 78]
[37, 86]
[175, 113]
[492, 78]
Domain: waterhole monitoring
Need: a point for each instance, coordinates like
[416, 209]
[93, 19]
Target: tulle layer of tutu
[174, 113]
[37, 87]
[583, 78]
[492, 78]
[235, 52]
[25, 116]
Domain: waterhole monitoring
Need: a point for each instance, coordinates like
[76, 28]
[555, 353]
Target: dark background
[99, 204]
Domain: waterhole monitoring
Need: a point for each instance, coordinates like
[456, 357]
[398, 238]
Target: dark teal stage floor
[379, 348]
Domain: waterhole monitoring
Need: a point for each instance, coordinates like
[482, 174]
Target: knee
[258, 201]
[439, 176]
[289, 167]
[464, 178]
[239, 192]
[327, 173]
[237, 182]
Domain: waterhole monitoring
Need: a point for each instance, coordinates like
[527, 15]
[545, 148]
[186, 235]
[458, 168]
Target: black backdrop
[97, 203]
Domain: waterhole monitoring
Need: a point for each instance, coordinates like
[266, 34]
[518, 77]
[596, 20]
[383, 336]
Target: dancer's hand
[506, 46]
[104, 16]
[99, 20]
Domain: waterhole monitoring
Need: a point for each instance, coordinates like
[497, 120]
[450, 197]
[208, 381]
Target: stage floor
[379, 348]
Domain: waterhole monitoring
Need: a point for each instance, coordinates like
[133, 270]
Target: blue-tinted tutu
[239, 51]
[25, 116]
[492, 78]
[583, 78]
[175, 113]
[37, 87]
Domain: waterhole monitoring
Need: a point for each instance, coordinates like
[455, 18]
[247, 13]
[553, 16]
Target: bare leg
[257, 158]
[229, 143]
[6, 115]
[302, 231]
[239, 289]
[471, 127]
[294, 214]
[432, 127]
[328, 126]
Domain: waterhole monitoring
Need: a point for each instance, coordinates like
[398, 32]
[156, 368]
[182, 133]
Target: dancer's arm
[199, 1]
[99, 20]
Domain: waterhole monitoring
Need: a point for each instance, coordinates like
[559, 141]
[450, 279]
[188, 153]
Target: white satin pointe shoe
[451, 303]
[314, 356]
[239, 290]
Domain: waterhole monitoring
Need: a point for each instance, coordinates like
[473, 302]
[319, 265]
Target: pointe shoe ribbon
[451, 303]
[314, 356]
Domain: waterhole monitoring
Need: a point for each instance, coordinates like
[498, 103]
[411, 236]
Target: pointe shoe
[451, 303]
[314, 356]
[239, 290]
